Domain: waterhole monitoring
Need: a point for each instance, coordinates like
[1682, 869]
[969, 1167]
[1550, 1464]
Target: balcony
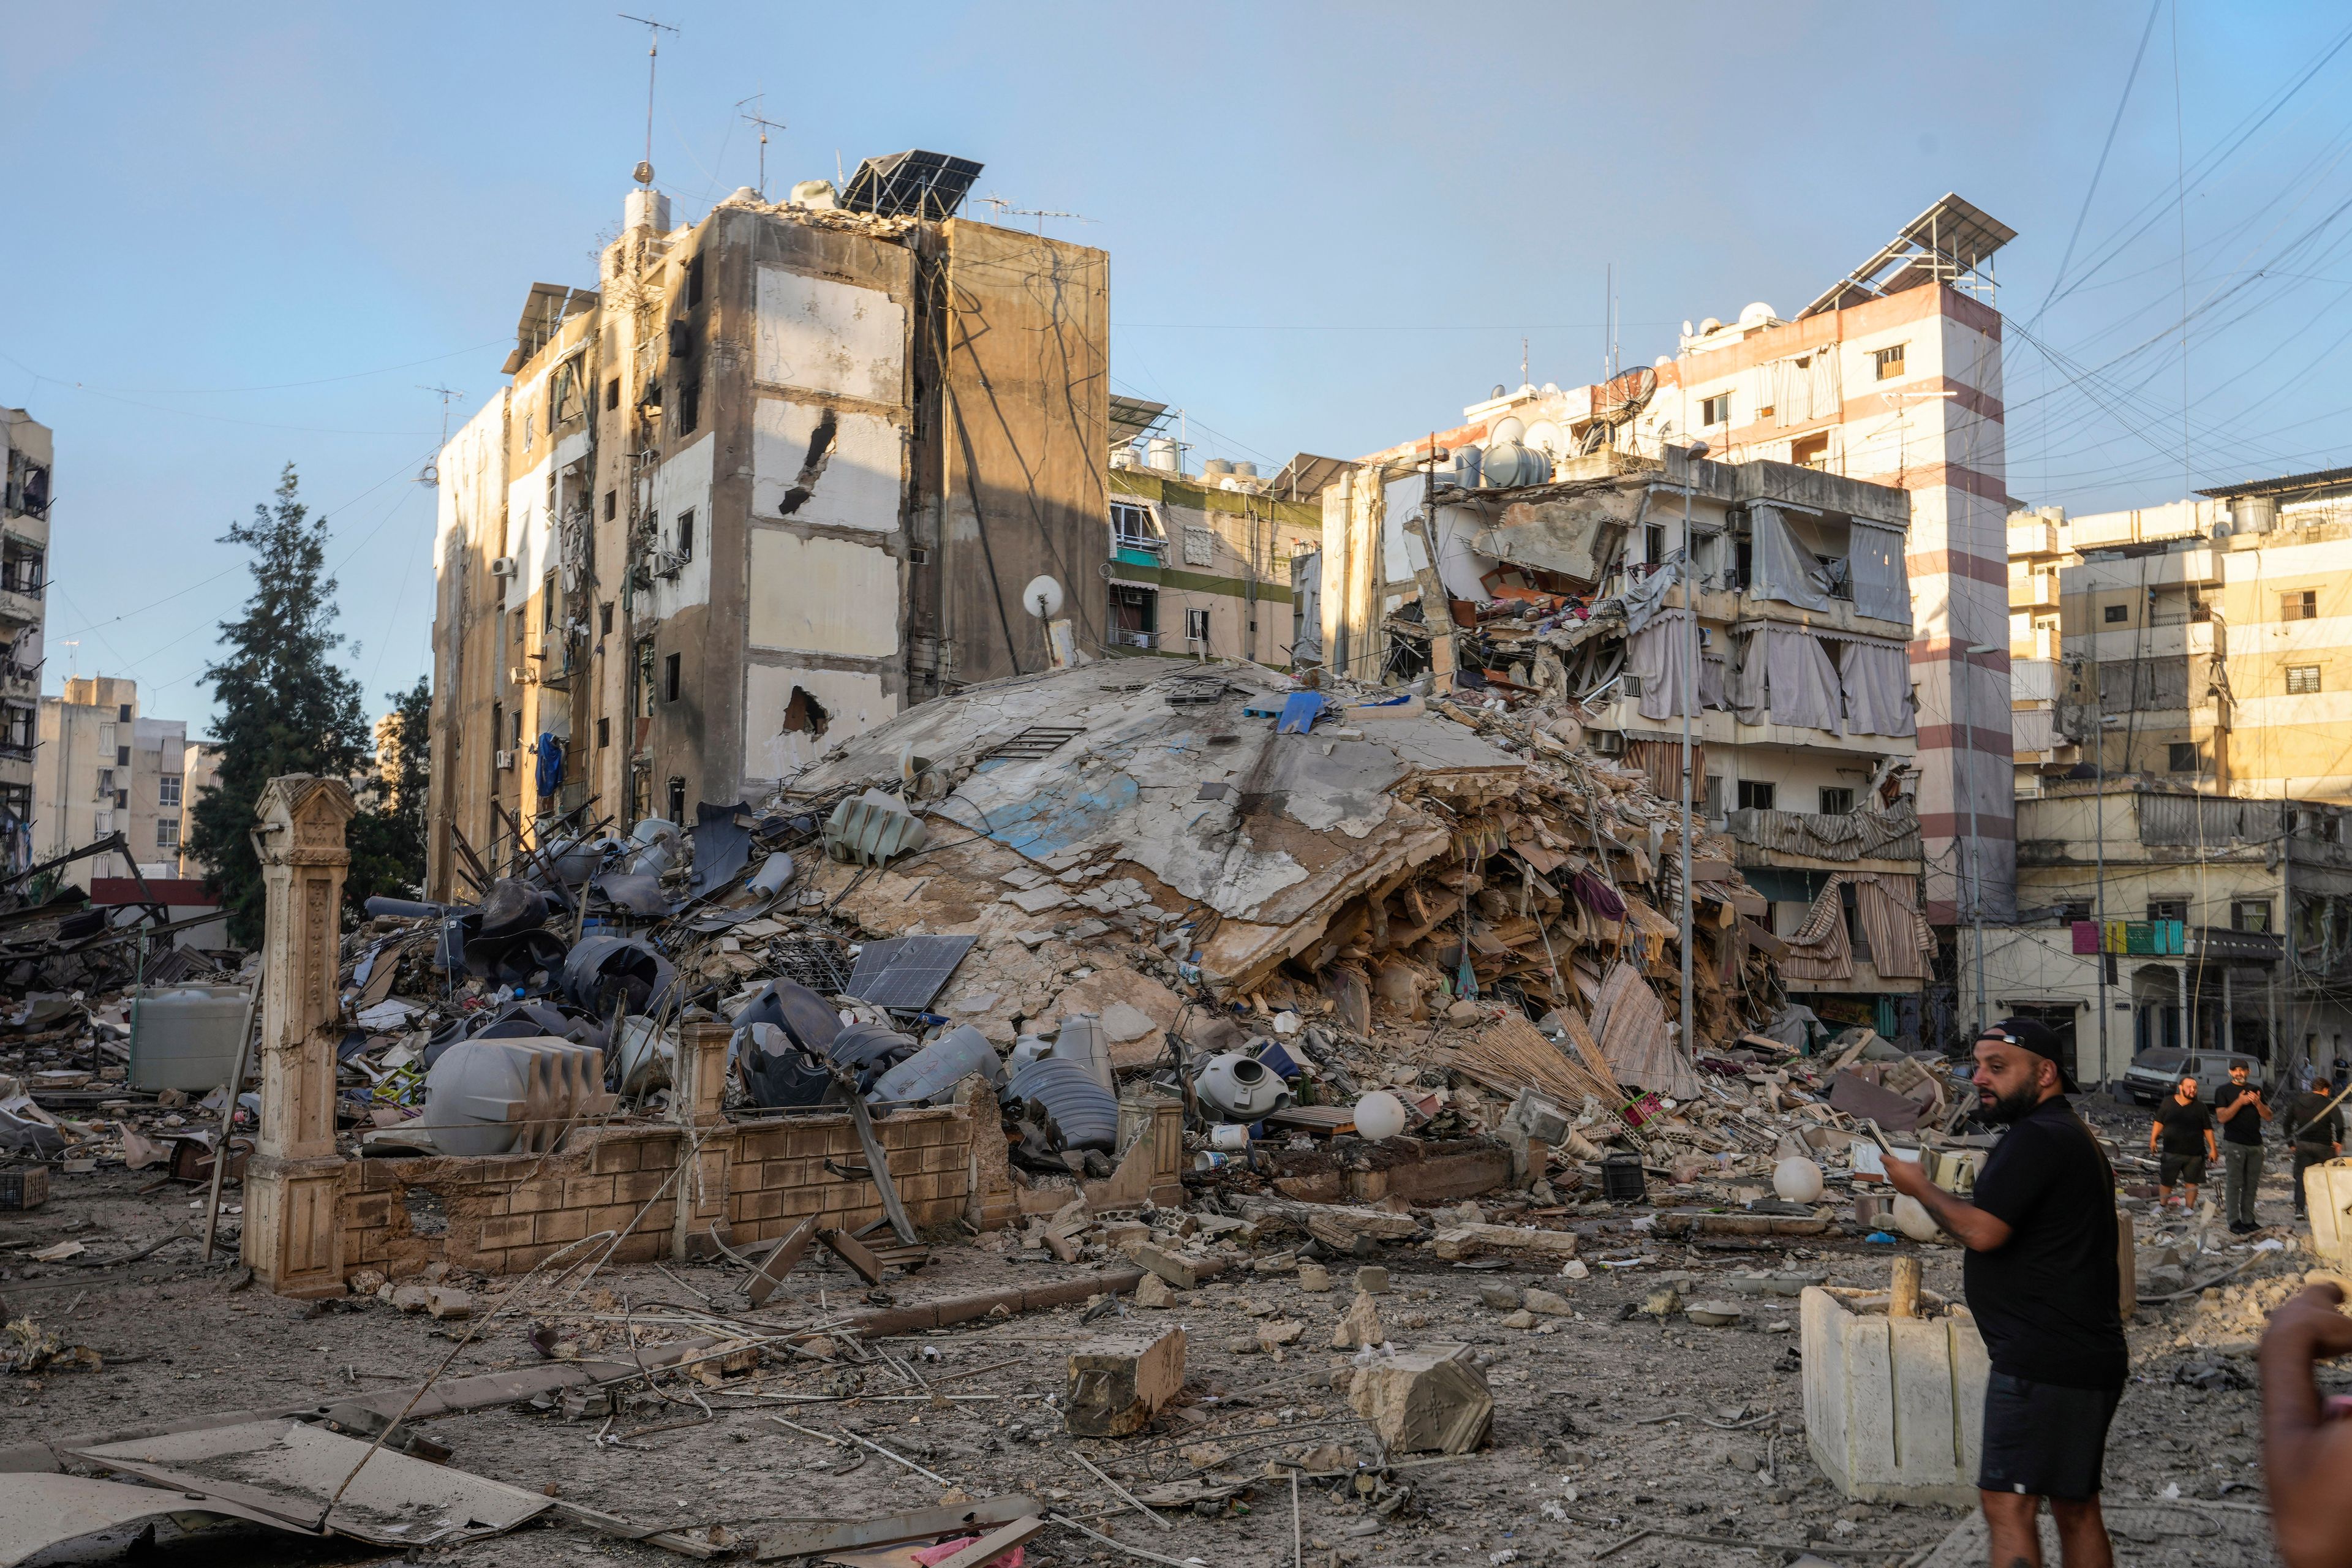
[1803, 838]
[1121, 637]
[1136, 548]
[2222, 944]
[2034, 590]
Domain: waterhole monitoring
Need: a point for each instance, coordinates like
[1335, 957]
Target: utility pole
[760, 97]
[2099, 886]
[653, 30]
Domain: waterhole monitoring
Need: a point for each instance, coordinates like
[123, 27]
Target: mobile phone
[1879, 1138]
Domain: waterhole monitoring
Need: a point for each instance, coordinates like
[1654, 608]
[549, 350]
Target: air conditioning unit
[504, 566]
[506, 760]
[521, 675]
[1608, 742]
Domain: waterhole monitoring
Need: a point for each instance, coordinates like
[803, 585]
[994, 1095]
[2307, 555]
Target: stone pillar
[698, 1101]
[293, 1221]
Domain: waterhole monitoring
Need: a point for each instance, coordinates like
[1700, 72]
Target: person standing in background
[2314, 1131]
[2241, 1109]
[2184, 1127]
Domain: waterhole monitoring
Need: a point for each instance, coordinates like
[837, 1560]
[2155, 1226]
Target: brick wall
[507, 1214]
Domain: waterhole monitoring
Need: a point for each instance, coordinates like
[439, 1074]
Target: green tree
[387, 838]
[284, 706]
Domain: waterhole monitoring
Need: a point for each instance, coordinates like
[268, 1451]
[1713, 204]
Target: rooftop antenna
[1523, 363]
[760, 97]
[73, 657]
[430, 475]
[1004, 207]
[653, 30]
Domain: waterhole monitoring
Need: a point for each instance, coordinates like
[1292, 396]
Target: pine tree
[387, 838]
[284, 706]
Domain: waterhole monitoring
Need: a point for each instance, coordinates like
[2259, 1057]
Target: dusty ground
[1603, 1425]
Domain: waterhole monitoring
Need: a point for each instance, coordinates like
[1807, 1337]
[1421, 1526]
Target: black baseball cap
[2037, 1037]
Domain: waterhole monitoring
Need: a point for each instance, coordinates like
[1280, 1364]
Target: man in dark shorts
[2314, 1131]
[2239, 1108]
[2042, 1282]
[2184, 1125]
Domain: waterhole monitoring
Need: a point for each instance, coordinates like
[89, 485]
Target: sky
[244, 236]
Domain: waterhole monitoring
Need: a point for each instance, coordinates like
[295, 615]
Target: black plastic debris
[906, 973]
[722, 846]
[605, 972]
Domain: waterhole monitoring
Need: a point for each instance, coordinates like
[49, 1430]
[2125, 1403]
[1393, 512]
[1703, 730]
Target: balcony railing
[1120, 637]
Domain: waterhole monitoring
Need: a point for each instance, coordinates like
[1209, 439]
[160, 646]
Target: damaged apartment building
[28, 450]
[1574, 585]
[1893, 375]
[780, 474]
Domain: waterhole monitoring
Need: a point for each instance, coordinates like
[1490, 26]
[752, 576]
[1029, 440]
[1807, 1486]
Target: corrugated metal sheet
[1891, 834]
[2193, 820]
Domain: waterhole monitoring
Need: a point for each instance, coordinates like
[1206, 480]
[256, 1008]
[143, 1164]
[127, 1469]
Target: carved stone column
[293, 1222]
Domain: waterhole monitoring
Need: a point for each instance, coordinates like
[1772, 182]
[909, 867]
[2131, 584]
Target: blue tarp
[1298, 714]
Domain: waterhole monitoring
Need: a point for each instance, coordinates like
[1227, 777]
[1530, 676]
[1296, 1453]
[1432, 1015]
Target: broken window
[612, 498]
[694, 281]
[568, 398]
[1132, 526]
[685, 543]
[27, 486]
[805, 715]
[644, 705]
[2302, 606]
[677, 800]
[2302, 679]
[603, 734]
[1886, 363]
[547, 597]
[1836, 802]
[689, 403]
[613, 399]
[2249, 914]
[1756, 795]
[604, 618]
[18, 736]
[1653, 543]
[498, 731]
[20, 567]
[1196, 626]
[1811, 452]
[1716, 410]
[2184, 757]
[514, 725]
[669, 677]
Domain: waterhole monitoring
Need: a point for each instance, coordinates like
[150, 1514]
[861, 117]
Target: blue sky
[245, 235]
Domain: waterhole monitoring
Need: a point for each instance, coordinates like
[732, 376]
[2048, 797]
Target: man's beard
[2008, 1106]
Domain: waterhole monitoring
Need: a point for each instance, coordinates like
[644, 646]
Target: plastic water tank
[501, 1097]
[932, 1074]
[1240, 1087]
[185, 1037]
[1082, 1040]
[1508, 463]
[1086, 1112]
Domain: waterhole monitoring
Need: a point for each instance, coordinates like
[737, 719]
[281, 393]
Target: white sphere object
[1797, 1179]
[1911, 1218]
[1378, 1115]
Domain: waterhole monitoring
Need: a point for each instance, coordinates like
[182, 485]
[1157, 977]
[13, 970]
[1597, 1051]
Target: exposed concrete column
[293, 1227]
[706, 1141]
[701, 1087]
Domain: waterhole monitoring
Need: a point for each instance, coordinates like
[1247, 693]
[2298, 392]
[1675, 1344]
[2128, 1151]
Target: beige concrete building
[102, 768]
[2235, 921]
[783, 472]
[2207, 640]
[1202, 564]
[201, 771]
[28, 460]
[1892, 376]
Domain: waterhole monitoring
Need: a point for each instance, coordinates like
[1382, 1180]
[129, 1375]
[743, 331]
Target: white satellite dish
[1041, 598]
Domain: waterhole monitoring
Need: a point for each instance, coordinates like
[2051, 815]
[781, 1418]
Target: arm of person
[2306, 1459]
[1977, 1230]
[2155, 1131]
[2212, 1150]
[2226, 1112]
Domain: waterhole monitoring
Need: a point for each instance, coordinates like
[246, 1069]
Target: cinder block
[559, 1225]
[1894, 1408]
[636, 1186]
[496, 1234]
[1116, 1386]
[586, 1192]
[614, 1155]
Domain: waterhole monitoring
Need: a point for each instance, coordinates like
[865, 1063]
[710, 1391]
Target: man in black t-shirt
[2043, 1283]
[2241, 1109]
[2182, 1141]
[2314, 1131]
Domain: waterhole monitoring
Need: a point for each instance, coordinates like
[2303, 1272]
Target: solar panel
[906, 973]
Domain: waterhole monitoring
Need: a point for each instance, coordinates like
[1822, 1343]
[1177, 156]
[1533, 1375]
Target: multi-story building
[783, 472]
[1201, 564]
[2178, 918]
[1892, 376]
[101, 768]
[25, 488]
[1617, 584]
[201, 771]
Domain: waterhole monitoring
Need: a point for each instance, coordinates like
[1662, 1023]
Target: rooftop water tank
[1159, 453]
[1508, 463]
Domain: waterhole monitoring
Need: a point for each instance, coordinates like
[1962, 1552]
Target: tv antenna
[760, 97]
[430, 475]
[653, 30]
[1004, 209]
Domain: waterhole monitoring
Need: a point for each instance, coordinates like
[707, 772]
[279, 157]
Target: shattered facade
[783, 472]
[1892, 376]
[1572, 593]
[28, 460]
[1201, 564]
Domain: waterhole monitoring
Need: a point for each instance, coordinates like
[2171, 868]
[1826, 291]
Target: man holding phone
[2043, 1283]
[2241, 1109]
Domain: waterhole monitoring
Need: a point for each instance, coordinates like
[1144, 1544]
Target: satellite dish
[1041, 598]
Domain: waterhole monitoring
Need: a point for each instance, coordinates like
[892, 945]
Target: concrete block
[1894, 1408]
[1116, 1386]
[1457, 1242]
[1372, 1279]
[1359, 1326]
[1431, 1400]
[1175, 1269]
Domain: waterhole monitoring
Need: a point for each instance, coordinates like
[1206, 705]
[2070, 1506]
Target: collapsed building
[778, 474]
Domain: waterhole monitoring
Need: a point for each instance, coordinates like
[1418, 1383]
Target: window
[1836, 802]
[686, 534]
[1711, 800]
[1196, 626]
[1887, 363]
[514, 729]
[122, 714]
[1813, 452]
[693, 282]
[1756, 795]
[547, 597]
[105, 783]
[603, 734]
[2249, 914]
[643, 704]
[2303, 607]
[167, 790]
[1654, 542]
[20, 733]
[122, 756]
[2116, 615]
[677, 800]
[613, 399]
[122, 800]
[604, 618]
[1131, 528]
[568, 400]
[689, 402]
[2302, 678]
[1716, 410]
[612, 498]
[2168, 910]
[2184, 757]
[167, 833]
[497, 729]
[669, 679]
[2073, 909]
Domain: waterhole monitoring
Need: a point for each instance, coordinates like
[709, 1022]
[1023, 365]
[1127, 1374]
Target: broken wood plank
[920, 1524]
[781, 1259]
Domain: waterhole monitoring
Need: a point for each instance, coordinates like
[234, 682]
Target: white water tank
[646, 208]
[1160, 453]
